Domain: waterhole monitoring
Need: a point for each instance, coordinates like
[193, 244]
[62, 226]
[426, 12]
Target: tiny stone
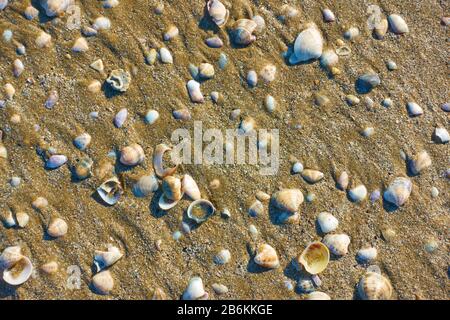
[387, 103]
[434, 192]
[391, 65]
[310, 197]
[15, 181]
[297, 167]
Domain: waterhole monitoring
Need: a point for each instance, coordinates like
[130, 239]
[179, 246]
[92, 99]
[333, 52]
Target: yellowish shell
[374, 286]
[171, 187]
[315, 257]
[312, 176]
[266, 257]
[288, 200]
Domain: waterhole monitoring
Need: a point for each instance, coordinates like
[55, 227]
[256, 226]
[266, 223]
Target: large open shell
[110, 191]
[19, 272]
[200, 210]
[315, 257]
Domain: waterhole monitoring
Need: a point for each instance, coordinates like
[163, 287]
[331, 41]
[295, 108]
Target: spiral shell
[374, 286]
[132, 155]
[266, 257]
[337, 243]
[288, 200]
[242, 32]
[314, 258]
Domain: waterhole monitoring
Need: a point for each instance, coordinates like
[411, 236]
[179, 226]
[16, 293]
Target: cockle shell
[307, 46]
[19, 272]
[266, 257]
[105, 259]
[337, 243]
[419, 162]
[398, 191]
[158, 155]
[358, 193]
[50, 267]
[110, 191]
[190, 187]
[217, 11]
[222, 257]
[312, 176]
[103, 282]
[132, 155]
[57, 228]
[165, 56]
[145, 185]
[200, 210]
[288, 200]
[314, 258]
[55, 161]
[43, 40]
[195, 290]
[242, 32]
[397, 24]
[327, 222]
[119, 80]
[10, 256]
[317, 295]
[374, 286]
[101, 23]
[195, 94]
[329, 59]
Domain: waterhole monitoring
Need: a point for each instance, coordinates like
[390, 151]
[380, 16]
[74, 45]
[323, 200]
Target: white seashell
[419, 162]
[195, 290]
[252, 78]
[414, 109]
[374, 286]
[314, 258]
[247, 125]
[297, 167]
[329, 59]
[18, 273]
[120, 117]
[195, 94]
[158, 161]
[165, 204]
[440, 135]
[101, 23]
[88, 31]
[256, 209]
[206, 71]
[182, 114]
[288, 200]
[97, 65]
[327, 222]
[151, 116]
[52, 99]
[119, 80]
[39, 203]
[337, 243]
[317, 295]
[242, 32]
[328, 15]
[398, 191]
[165, 56]
[367, 132]
[366, 255]
[307, 46]
[216, 97]
[50, 267]
[82, 141]
[391, 65]
[351, 34]
[94, 87]
[268, 73]
[145, 185]
[190, 187]
[22, 219]
[342, 181]
[446, 107]
[57, 228]
[266, 257]
[103, 282]
[358, 193]
[260, 23]
[55, 161]
[132, 155]
[219, 288]
[397, 24]
[3, 152]
[10, 256]
[55, 7]
[109, 4]
[8, 220]
[217, 11]
[44, 40]
[18, 67]
[214, 42]
[31, 12]
[9, 91]
[381, 29]
[270, 103]
[80, 45]
[105, 259]
[171, 187]
[3, 4]
[200, 210]
[171, 33]
[312, 176]
[222, 257]
[110, 191]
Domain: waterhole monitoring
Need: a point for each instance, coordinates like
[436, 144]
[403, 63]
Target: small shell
[109, 4]
[97, 65]
[337, 243]
[55, 161]
[256, 209]
[171, 33]
[55, 7]
[44, 40]
[252, 78]
[8, 220]
[3, 152]
[158, 161]
[103, 282]
[329, 59]
[328, 15]
[214, 42]
[22, 219]
[31, 12]
[260, 24]
[217, 11]
[297, 167]
[288, 200]
[39, 203]
[358, 193]
[82, 141]
[182, 114]
[270, 103]
[398, 191]
[414, 109]
[119, 80]
[351, 34]
[219, 288]
[101, 23]
[94, 87]
[268, 73]
[83, 169]
[375, 195]
[314, 258]
[18, 273]
[247, 125]
[190, 187]
[195, 94]
[206, 71]
[145, 185]
[440, 135]
[105, 259]
[150, 56]
[80, 45]
[9, 91]
[165, 56]
[171, 187]
[52, 99]
[342, 181]
[367, 82]
[305, 284]
[200, 210]
[10, 256]
[352, 100]
[397, 24]
[374, 286]
[242, 32]
[110, 191]
[18, 67]
[327, 222]
[50, 267]
[312, 176]
[366, 255]
[120, 117]
[216, 97]
[343, 51]
[317, 295]
[380, 29]
[419, 162]
[266, 257]
[132, 155]
[57, 228]
[151, 116]
[222, 257]
[307, 46]
[195, 290]
[88, 31]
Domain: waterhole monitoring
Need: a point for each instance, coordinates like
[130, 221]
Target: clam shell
[206, 71]
[165, 56]
[307, 46]
[110, 191]
[151, 116]
[440, 135]
[18, 67]
[120, 117]
[327, 222]
[171, 33]
[312, 176]
[397, 24]
[342, 181]
[328, 15]
[195, 94]
[314, 258]
[82, 141]
[105, 259]
[337, 243]
[119, 80]
[317, 295]
[190, 187]
[145, 185]
[132, 155]
[252, 78]
[219, 288]
[288, 200]
[195, 290]
[242, 32]
[182, 114]
[366, 255]
[54, 8]
[374, 286]
[158, 161]
[214, 42]
[10, 256]
[419, 162]
[55, 161]
[358, 193]
[18, 273]
[222, 257]
[217, 11]
[43, 40]
[414, 109]
[101, 23]
[256, 209]
[200, 210]
[57, 228]
[165, 204]
[266, 257]
[171, 187]
[328, 59]
[381, 29]
[103, 282]
[9, 91]
[22, 219]
[398, 191]
[80, 45]
[351, 33]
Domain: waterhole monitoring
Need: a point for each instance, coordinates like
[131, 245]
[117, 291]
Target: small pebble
[387, 103]
[431, 245]
[391, 65]
[310, 197]
[151, 116]
[434, 192]
[15, 181]
[297, 167]
[446, 107]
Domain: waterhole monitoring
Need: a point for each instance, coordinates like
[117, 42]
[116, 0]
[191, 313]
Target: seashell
[414, 109]
[352, 100]
[31, 12]
[3, 152]
[266, 257]
[387, 103]
[165, 56]
[398, 191]
[268, 73]
[195, 94]
[159, 294]
[22, 219]
[105, 259]
[216, 97]
[367, 82]
[317, 295]
[226, 214]
[120, 117]
[158, 161]
[82, 141]
[119, 80]
[343, 51]
[80, 45]
[18, 67]
[219, 288]
[110, 191]
[39, 203]
[307, 46]
[419, 162]
[242, 32]
[171, 33]
[19, 272]
[10, 256]
[217, 11]
[52, 99]
[83, 169]
[206, 71]
[97, 65]
[151, 116]
[252, 78]
[314, 258]
[329, 59]
[55, 161]
[132, 155]
[440, 135]
[366, 255]
[55, 7]
[388, 234]
[367, 132]
[342, 181]
[351, 34]
[190, 187]
[381, 29]
[159, 8]
[57, 228]
[193, 70]
[182, 114]
[101, 23]
[145, 185]
[103, 282]
[200, 210]
[446, 107]
[195, 290]
[256, 209]
[50, 267]
[327, 222]
[222, 257]
[171, 187]
[270, 103]
[260, 23]
[337, 243]
[397, 24]
[305, 284]
[288, 11]
[297, 168]
[374, 286]
[375, 195]
[247, 125]
[88, 31]
[223, 61]
[8, 220]
[94, 87]
[288, 200]
[312, 176]
[150, 56]
[214, 42]
[43, 40]
[9, 91]
[328, 15]
[358, 193]
[109, 4]
[391, 65]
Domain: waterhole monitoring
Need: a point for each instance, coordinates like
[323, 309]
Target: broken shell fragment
[200, 210]
[105, 259]
[342, 181]
[374, 286]
[337, 243]
[110, 191]
[314, 258]
[288, 200]
[132, 155]
[266, 257]
[158, 155]
[54, 8]
[80, 45]
[119, 80]
[398, 191]
[414, 109]
[82, 141]
[190, 187]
